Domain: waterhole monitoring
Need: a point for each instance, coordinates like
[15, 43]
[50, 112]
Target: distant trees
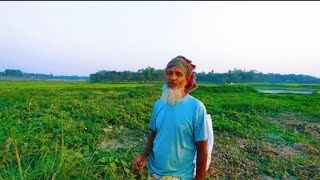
[235, 75]
[242, 76]
[13, 72]
[151, 74]
[148, 74]
[18, 74]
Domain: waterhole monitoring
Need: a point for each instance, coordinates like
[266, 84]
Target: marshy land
[67, 130]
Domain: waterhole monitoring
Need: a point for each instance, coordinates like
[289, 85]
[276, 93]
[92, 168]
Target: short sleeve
[200, 124]
[152, 123]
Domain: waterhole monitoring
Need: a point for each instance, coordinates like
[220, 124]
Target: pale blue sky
[83, 37]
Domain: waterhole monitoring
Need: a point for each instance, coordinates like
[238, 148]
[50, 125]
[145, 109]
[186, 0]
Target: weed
[79, 130]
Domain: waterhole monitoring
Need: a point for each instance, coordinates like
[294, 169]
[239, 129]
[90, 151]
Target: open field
[68, 130]
[61, 84]
[312, 87]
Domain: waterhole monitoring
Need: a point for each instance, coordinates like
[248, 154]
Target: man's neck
[184, 94]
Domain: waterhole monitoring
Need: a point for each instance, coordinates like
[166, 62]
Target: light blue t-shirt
[177, 128]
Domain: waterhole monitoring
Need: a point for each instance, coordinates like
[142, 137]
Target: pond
[275, 91]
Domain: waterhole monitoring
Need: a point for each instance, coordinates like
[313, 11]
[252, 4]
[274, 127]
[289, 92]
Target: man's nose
[173, 77]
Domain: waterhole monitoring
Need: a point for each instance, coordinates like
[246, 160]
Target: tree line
[18, 74]
[232, 76]
[151, 74]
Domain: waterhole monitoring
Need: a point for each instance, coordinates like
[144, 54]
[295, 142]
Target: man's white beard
[171, 95]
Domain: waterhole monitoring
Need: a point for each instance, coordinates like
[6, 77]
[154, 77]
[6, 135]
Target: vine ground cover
[67, 130]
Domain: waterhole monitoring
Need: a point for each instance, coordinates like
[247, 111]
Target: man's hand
[138, 164]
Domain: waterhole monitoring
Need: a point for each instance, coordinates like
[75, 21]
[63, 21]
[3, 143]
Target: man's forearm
[148, 145]
[202, 153]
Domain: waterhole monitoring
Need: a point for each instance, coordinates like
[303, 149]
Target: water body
[285, 91]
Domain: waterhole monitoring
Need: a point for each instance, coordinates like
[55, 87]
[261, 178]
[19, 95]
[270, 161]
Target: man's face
[176, 78]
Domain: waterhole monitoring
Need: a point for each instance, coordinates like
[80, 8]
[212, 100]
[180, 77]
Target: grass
[8, 85]
[68, 130]
[279, 86]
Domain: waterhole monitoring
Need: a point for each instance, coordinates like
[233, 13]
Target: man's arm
[202, 153]
[139, 162]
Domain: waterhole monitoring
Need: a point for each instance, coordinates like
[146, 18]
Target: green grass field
[78, 130]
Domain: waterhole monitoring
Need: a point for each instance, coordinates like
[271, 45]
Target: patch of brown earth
[289, 121]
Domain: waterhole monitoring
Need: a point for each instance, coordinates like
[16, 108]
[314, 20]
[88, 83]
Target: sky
[83, 37]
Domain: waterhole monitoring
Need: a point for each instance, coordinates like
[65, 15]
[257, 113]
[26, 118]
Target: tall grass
[92, 131]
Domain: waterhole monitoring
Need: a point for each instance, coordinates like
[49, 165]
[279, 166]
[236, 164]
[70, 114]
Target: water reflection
[285, 91]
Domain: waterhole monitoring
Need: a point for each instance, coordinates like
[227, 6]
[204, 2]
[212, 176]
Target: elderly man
[178, 128]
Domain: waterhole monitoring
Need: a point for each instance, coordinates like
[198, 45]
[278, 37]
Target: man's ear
[188, 79]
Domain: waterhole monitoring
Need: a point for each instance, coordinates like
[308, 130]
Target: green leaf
[103, 159]
[123, 162]
[111, 158]
[127, 170]
[105, 168]
[79, 155]
[113, 166]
